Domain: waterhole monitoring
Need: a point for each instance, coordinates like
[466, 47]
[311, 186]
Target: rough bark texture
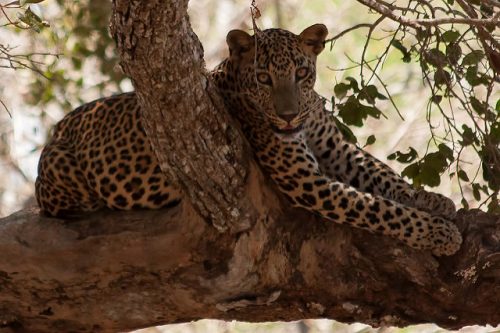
[119, 271]
[193, 141]
[116, 271]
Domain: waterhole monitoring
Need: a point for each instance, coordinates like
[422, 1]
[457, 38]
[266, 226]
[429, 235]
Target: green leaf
[446, 152]
[453, 53]
[468, 136]
[404, 157]
[341, 90]
[370, 93]
[32, 20]
[437, 99]
[435, 57]
[473, 58]
[370, 140]
[464, 203]
[411, 171]
[475, 191]
[478, 106]
[353, 83]
[442, 77]
[351, 112]
[495, 133]
[472, 77]
[497, 106]
[371, 111]
[450, 36]
[463, 175]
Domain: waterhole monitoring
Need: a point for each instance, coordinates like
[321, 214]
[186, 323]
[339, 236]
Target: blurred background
[74, 61]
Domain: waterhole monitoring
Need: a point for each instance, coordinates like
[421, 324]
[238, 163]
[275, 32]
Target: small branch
[368, 38]
[357, 26]
[385, 10]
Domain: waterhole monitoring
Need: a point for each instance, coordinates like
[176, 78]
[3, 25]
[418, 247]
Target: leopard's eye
[264, 78]
[301, 73]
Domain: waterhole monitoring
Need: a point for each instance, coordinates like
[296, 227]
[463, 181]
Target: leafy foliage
[460, 64]
[83, 41]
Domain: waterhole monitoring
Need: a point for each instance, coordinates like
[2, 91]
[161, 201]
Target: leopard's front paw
[434, 204]
[444, 236]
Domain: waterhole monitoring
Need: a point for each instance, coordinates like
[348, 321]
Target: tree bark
[118, 271]
[233, 249]
[198, 146]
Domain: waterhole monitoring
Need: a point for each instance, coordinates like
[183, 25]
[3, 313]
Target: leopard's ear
[240, 44]
[313, 38]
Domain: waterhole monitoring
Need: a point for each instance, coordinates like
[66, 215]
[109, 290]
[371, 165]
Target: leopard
[99, 155]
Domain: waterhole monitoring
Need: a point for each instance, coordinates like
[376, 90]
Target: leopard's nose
[288, 117]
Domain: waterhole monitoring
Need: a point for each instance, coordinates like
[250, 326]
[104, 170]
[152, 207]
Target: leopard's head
[276, 71]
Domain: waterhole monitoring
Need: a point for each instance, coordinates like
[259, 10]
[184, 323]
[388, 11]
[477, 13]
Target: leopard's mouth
[287, 130]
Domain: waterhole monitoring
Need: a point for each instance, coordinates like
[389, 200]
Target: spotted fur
[267, 83]
[99, 154]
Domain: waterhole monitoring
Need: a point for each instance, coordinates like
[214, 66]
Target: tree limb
[118, 271]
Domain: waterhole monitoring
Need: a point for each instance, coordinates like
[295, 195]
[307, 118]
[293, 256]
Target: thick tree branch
[120, 271]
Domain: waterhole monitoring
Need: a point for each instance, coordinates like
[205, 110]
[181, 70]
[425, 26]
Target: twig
[6, 108]
[357, 26]
[368, 37]
[386, 91]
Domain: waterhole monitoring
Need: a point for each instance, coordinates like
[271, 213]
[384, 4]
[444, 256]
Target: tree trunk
[233, 249]
[197, 145]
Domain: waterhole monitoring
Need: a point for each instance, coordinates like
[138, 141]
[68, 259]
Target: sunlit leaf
[32, 20]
